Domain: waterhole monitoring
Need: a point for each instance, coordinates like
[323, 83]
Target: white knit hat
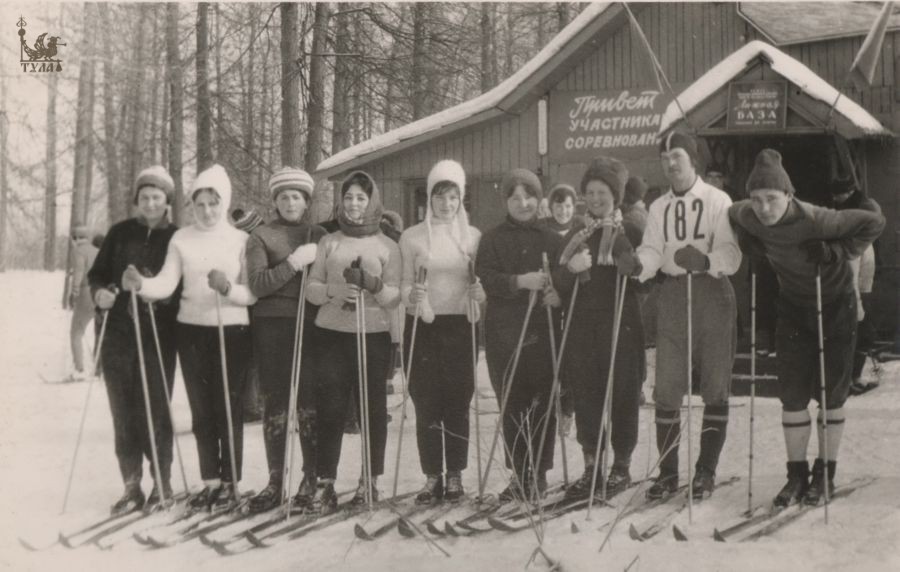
[215, 178]
[452, 172]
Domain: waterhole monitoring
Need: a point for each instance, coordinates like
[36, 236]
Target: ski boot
[816, 491]
[153, 501]
[512, 491]
[618, 480]
[267, 499]
[325, 499]
[795, 488]
[304, 498]
[131, 500]
[359, 498]
[433, 491]
[205, 498]
[581, 488]
[703, 484]
[665, 484]
[454, 490]
[225, 499]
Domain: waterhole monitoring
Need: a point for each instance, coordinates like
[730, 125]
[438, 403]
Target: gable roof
[791, 69]
[528, 82]
[786, 23]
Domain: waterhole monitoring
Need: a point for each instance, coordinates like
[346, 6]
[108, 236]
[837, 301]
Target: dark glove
[218, 282]
[691, 259]
[356, 275]
[818, 252]
[623, 254]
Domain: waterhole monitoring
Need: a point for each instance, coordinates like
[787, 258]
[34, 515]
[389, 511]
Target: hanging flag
[644, 58]
[863, 68]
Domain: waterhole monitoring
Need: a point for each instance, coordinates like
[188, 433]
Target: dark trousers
[198, 349]
[529, 393]
[441, 385]
[273, 344]
[337, 380]
[865, 336]
[797, 362]
[124, 389]
[587, 360]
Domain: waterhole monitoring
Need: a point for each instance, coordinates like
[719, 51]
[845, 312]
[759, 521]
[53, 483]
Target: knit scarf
[371, 220]
[556, 226]
[609, 227]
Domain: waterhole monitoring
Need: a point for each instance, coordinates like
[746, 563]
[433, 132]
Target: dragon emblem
[41, 52]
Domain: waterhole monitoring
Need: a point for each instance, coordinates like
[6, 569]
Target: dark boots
[433, 491]
[703, 483]
[453, 491]
[668, 434]
[132, 499]
[795, 488]
[816, 491]
[266, 499]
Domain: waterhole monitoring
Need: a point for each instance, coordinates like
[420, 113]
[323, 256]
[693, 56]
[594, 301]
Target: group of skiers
[559, 300]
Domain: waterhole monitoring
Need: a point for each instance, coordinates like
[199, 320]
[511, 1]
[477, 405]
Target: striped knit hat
[291, 178]
[155, 176]
[246, 220]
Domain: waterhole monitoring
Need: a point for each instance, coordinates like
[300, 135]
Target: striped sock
[835, 432]
[797, 428]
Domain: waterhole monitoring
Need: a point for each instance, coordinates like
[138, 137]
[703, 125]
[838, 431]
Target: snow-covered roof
[484, 102]
[783, 64]
[787, 23]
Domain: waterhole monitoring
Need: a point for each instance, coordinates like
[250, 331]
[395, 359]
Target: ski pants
[273, 344]
[529, 393]
[198, 349]
[82, 314]
[337, 380]
[441, 384]
[587, 360]
[797, 361]
[122, 375]
[714, 333]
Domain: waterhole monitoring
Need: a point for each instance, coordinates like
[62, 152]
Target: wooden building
[590, 91]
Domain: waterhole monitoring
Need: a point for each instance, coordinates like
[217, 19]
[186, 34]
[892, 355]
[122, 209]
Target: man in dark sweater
[803, 242]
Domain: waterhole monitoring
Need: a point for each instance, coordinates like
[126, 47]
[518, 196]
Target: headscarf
[371, 219]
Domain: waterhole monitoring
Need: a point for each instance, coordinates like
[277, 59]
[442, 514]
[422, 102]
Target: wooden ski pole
[690, 392]
[364, 399]
[473, 279]
[752, 388]
[224, 364]
[823, 408]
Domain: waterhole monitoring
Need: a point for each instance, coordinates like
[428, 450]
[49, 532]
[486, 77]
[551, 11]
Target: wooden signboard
[757, 106]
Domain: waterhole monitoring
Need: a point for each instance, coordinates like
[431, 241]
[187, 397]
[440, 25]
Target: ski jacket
[132, 242]
[271, 277]
[849, 232]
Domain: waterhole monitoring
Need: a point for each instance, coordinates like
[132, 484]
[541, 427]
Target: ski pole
[227, 396]
[507, 385]
[146, 387]
[84, 410]
[406, 371]
[823, 408]
[690, 391]
[472, 322]
[162, 373]
[752, 387]
[287, 476]
[607, 406]
[364, 400]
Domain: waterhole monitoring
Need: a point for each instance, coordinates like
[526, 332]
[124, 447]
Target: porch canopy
[809, 98]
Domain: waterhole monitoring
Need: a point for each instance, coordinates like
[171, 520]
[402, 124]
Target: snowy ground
[39, 421]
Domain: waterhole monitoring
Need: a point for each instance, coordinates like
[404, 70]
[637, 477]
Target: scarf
[371, 220]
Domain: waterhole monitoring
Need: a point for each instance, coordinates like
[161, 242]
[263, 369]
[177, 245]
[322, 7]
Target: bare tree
[315, 112]
[116, 204]
[417, 79]
[50, 188]
[488, 78]
[342, 70]
[137, 101]
[204, 109]
[176, 115]
[291, 152]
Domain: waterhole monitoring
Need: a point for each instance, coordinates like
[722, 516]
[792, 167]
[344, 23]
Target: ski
[164, 519]
[662, 522]
[134, 517]
[67, 537]
[794, 515]
[746, 522]
[212, 522]
[394, 521]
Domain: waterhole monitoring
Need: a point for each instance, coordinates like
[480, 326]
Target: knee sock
[797, 428]
[668, 433]
[712, 436]
[835, 432]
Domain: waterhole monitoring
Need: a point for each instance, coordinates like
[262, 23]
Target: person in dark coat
[509, 264]
[141, 241]
[587, 360]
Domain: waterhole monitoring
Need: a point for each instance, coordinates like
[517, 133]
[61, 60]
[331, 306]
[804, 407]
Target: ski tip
[498, 524]
[26, 545]
[140, 539]
[255, 540]
[205, 540]
[448, 528]
[717, 536]
[574, 528]
[100, 545]
[405, 528]
[361, 533]
[64, 540]
[634, 534]
[680, 536]
[431, 528]
[154, 543]
[220, 548]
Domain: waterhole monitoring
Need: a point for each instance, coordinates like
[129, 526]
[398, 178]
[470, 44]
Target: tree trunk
[510, 40]
[137, 103]
[50, 189]
[154, 94]
[249, 91]
[487, 68]
[220, 122]
[204, 113]
[417, 76]
[315, 113]
[541, 32]
[291, 150]
[340, 129]
[176, 115]
[562, 15]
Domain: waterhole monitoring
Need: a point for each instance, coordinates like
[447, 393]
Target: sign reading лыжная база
[620, 123]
